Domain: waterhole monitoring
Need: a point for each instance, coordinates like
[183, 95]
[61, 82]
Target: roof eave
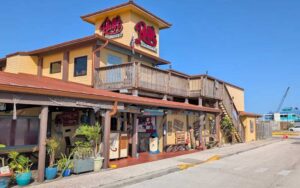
[164, 24]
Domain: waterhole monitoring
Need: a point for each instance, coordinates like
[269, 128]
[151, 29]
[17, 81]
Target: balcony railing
[144, 77]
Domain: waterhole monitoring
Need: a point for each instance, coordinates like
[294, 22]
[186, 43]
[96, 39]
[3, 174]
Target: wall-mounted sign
[178, 125]
[146, 36]
[112, 28]
[146, 124]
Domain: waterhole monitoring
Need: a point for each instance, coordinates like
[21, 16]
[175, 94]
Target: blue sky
[252, 43]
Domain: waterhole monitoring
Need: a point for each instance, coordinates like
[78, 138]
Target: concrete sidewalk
[138, 173]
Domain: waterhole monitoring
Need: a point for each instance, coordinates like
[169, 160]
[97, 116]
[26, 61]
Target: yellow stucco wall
[249, 136]
[47, 60]
[86, 79]
[22, 64]
[239, 97]
[129, 20]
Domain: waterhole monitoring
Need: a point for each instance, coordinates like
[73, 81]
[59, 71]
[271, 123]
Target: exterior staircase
[229, 110]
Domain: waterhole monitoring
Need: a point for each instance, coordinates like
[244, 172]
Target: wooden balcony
[141, 77]
[150, 79]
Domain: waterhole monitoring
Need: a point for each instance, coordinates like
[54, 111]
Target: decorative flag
[132, 42]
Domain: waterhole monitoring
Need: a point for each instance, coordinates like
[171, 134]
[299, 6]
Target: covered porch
[116, 113]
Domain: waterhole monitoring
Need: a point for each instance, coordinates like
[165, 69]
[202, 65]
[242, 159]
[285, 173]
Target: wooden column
[201, 125]
[216, 105]
[218, 127]
[96, 78]
[65, 66]
[92, 116]
[42, 143]
[186, 100]
[134, 136]
[40, 66]
[106, 139]
[200, 101]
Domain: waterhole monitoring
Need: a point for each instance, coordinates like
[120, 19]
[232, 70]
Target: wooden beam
[134, 136]
[6, 97]
[106, 139]
[42, 143]
[65, 65]
[40, 66]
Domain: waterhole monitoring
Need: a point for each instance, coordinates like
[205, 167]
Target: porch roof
[31, 84]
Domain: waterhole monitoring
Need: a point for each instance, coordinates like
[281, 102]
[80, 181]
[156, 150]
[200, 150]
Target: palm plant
[19, 163]
[65, 162]
[52, 147]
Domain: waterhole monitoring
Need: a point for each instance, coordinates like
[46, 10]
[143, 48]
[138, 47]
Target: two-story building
[113, 77]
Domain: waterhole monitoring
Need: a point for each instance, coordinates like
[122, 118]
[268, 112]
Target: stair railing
[232, 111]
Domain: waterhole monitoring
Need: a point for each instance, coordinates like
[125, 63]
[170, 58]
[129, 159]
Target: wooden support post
[125, 121]
[135, 92]
[218, 128]
[96, 76]
[40, 66]
[216, 105]
[65, 66]
[186, 100]
[200, 101]
[92, 117]
[134, 136]
[42, 143]
[106, 139]
[165, 98]
[201, 126]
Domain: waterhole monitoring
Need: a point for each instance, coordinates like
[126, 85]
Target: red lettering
[146, 34]
[112, 27]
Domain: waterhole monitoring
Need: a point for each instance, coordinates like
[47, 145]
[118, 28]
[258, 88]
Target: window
[80, 68]
[251, 126]
[55, 67]
[113, 60]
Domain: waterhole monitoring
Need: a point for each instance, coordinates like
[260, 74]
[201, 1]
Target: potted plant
[21, 166]
[65, 165]
[52, 147]
[92, 134]
[83, 161]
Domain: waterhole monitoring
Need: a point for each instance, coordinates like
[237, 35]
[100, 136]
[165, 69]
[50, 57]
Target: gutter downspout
[93, 60]
[106, 137]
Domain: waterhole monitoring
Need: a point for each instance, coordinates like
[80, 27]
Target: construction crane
[282, 100]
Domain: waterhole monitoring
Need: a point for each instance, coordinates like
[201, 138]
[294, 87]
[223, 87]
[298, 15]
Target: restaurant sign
[146, 36]
[112, 28]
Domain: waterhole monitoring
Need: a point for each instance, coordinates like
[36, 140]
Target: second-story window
[113, 60]
[80, 66]
[55, 67]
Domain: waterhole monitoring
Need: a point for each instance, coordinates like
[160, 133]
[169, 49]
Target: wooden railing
[140, 76]
[232, 111]
[115, 77]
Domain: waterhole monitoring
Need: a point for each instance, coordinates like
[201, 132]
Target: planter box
[83, 165]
